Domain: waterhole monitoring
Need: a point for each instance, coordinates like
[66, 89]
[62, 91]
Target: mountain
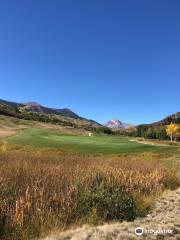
[36, 112]
[117, 124]
[173, 118]
[36, 107]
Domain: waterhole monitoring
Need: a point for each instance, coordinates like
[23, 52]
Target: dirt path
[153, 143]
[164, 218]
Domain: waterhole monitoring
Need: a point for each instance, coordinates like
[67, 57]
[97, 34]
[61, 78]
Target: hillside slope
[11, 126]
[36, 112]
[173, 118]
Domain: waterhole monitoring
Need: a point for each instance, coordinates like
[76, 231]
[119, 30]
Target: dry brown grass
[11, 126]
[42, 190]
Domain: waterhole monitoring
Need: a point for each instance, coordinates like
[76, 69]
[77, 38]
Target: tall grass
[41, 190]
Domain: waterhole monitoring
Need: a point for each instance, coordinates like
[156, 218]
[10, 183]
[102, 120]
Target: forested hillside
[36, 112]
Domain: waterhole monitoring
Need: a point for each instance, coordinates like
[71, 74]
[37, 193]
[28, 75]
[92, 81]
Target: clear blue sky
[102, 58]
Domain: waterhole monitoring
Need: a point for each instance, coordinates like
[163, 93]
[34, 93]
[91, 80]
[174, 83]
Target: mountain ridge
[21, 110]
[117, 124]
[37, 107]
[173, 118]
[37, 112]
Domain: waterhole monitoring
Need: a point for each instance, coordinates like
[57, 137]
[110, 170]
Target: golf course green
[105, 144]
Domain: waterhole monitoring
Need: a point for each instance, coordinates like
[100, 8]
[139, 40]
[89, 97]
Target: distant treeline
[157, 132]
[147, 131]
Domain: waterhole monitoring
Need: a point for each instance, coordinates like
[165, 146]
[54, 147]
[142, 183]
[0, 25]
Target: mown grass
[84, 144]
[43, 189]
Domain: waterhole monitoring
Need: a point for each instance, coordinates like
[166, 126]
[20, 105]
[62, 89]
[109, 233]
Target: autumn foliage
[173, 131]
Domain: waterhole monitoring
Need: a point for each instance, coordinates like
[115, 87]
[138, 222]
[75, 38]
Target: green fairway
[86, 144]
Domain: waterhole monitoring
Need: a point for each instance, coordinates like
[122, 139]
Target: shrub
[110, 203]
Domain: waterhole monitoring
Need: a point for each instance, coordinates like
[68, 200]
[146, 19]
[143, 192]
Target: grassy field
[84, 144]
[51, 180]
